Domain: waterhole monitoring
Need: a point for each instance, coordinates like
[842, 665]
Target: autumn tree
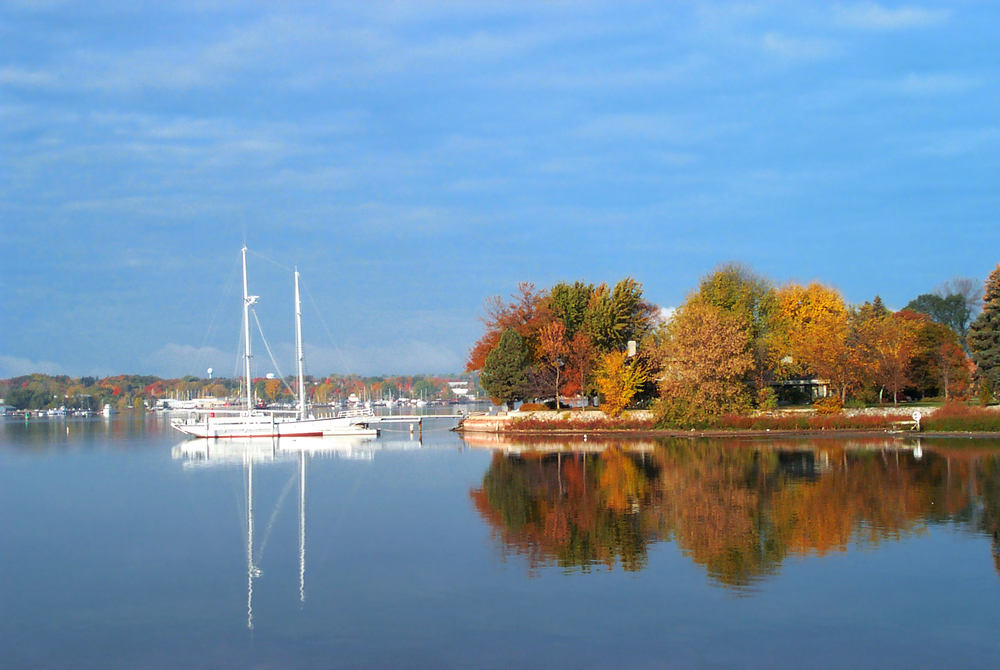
[272, 388]
[619, 380]
[735, 289]
[520, 313]
[939, 365]
[984, 333]
[705, 356]
[504, 374]
[819, 337]
[580, 363]
[554, 350]
[952, 367]
[891, 342]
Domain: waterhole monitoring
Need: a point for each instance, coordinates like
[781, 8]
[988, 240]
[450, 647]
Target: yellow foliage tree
[799, 309]
[619, 380]
[272, 387]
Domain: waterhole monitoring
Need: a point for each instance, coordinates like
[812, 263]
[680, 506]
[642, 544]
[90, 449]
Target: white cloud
[660, 128]
[959, 142]
[13, 76]
[412, 357]
[799, 48]
[877, 17]
[935, 84]
[178, 360]
[14, 366]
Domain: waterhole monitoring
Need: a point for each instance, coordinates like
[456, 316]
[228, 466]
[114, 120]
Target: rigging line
[239, 356]
[268, 347]
[211, 325]
[343, 361]
[274, 514]
[265, 258]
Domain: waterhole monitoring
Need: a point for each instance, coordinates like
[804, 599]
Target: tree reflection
[737, 509]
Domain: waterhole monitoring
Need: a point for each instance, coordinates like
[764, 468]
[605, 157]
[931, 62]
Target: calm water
[122, 546]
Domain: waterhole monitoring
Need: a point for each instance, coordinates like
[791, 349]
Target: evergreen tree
[505, 372]
[984, 333]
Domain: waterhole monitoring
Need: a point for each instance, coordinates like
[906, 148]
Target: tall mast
[298, 349]
[247, 301]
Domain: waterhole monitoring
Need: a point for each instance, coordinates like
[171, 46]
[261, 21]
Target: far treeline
[38, 391]
[739, 343]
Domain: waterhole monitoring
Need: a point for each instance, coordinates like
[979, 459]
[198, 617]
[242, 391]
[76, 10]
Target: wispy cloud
[411, 357]
[799, 48]
[935, 84]
[14, 366]
[877, 17]
[178, 360]
[647, 127]
[15, 76]
[959, 142]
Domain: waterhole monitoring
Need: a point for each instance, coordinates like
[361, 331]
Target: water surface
[125, 546]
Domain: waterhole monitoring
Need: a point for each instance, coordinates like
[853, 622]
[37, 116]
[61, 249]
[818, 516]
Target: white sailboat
[265, 423]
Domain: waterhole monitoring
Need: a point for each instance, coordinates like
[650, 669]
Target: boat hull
[239, 427]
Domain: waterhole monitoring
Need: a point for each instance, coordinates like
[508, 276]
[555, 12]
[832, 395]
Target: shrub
[532, 407]
[828, 405]
[985, 392]
[959, 417]
[767, 399]
[604, 424]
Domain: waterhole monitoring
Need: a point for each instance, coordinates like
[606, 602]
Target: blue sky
[413, 158]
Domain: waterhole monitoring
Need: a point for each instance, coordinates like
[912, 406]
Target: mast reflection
[249, 453]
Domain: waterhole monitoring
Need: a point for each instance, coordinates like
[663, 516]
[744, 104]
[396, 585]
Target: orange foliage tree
[891, 341]
[521, 314]
[706, 358]
[554, 349]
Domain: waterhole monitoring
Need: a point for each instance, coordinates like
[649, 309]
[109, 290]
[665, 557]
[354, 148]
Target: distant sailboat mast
[248, 300]
[299, 354]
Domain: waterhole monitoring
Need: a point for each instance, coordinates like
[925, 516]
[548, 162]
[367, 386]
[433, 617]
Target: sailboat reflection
[268, 451]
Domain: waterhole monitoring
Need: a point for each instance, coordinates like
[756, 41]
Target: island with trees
[741, 353]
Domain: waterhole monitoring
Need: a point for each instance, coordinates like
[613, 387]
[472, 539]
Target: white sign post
[916, 417]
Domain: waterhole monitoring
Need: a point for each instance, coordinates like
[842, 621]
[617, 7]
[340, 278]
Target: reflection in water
[251, 452]
[736, 508]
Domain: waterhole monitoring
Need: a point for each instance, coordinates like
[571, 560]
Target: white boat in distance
[252, 422]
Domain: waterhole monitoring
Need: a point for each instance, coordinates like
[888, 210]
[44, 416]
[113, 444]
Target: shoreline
[507, 424]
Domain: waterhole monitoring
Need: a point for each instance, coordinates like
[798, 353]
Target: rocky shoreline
[567, 422]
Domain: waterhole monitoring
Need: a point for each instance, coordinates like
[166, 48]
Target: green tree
[505, 372]
[952, 310]
[616, 316]
[984, 333]
[425, 388]
[568, 303]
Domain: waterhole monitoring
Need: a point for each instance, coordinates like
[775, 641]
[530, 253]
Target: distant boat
[108, 410]
[264, 423]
